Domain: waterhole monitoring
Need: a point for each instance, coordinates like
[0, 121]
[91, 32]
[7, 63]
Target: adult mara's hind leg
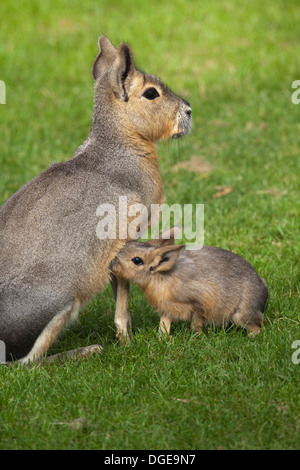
[51, 331]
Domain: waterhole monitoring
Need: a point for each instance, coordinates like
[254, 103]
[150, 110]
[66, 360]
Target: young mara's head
[138, 262]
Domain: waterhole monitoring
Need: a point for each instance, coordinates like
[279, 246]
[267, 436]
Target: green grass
[235, 63]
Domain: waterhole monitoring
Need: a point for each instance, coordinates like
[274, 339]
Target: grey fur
[50, 256]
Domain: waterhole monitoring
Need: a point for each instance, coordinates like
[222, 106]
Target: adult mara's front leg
[122, 316]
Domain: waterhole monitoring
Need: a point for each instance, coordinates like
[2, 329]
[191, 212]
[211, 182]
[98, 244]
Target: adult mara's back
[51, 259]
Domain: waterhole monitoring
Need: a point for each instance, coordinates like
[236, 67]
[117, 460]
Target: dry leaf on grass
[76, 424]
[185, 400]
[275, 192]
[250, 125]
[223, 191]
[195, 164]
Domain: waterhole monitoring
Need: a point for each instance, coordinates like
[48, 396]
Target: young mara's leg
[253, 330]
[197, 325]
[164, 326]
[50, 332]
[252, 322]
[122, 315]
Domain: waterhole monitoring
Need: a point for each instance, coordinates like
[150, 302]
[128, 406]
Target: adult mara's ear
[105, 58]
[122, 71]
[164, 258]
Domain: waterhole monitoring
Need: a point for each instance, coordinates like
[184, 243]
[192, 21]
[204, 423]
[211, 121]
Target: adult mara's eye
[151, 94]
[137, 261]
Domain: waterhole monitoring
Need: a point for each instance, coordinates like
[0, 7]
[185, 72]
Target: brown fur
[204, 286]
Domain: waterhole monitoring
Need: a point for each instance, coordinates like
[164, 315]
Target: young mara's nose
[189, 111]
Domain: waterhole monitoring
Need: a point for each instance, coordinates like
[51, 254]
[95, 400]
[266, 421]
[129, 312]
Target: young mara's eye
[137, 261]
[151, 94]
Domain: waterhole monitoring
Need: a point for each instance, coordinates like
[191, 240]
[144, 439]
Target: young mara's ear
[164, 258]
[105, 58]
[168, 237]
[122, 69]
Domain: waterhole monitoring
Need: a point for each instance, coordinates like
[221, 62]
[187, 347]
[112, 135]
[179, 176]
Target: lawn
[235, 62]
